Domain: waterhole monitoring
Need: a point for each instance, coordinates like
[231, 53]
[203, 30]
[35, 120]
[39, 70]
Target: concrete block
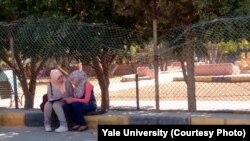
[237, 121]
[221, 79]
[207, 121]
[143, 120]
[113, 120]
[203, 79]
[12, 119]
[173, 120]
[92, 121]
[93, 118]
[37, 119]
[34, 119]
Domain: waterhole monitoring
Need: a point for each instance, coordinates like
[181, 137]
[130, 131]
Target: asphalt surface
[38, 134]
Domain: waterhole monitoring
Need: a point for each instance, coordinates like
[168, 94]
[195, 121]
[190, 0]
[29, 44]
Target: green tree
[30, 41]
[98, 45]
[180, 13]
[96, 11]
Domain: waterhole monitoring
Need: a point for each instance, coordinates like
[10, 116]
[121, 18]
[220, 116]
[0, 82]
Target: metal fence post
[14, 74]
[137, 92]
[156, 61]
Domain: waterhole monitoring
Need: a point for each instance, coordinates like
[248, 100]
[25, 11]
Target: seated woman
[83, 101]
[58, 88]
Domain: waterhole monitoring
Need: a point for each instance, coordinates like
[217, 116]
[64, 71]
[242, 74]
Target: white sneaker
[61, 129]
[48, 128]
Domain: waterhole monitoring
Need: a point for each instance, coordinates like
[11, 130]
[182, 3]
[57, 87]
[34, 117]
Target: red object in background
[45, 99]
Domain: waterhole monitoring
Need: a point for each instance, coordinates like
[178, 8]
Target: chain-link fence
[215, 58]
[202, 67]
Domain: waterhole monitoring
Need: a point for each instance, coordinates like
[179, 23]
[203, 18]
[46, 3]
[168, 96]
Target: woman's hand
[68, 100]
[62, 100]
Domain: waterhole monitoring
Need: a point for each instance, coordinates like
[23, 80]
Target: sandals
[75, 127]
[82, 128]
[79, 128]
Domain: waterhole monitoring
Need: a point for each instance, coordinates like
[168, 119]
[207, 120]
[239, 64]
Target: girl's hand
[62, 100]
[68, 100]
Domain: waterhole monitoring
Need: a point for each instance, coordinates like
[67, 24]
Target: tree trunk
[113, 69]
[105, 96]
[29, 99]
[28, 88]
[102, 74]
[190, 79]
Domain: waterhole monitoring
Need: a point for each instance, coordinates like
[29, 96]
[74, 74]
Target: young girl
[83, 101]
[58, 88]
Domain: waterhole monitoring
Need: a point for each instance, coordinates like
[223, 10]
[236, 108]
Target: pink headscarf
[57, 85]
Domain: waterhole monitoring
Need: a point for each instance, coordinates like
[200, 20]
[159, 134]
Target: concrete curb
[33, 118]
[12, 119]
[226, 78]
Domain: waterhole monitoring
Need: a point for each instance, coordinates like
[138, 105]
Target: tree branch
[5, 59]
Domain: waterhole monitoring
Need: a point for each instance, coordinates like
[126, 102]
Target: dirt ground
[168, 90]
[178, 91]
[174, 90]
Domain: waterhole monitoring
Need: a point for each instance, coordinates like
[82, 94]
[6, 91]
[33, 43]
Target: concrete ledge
[113, 119]
[143, 119]
[35, 118]
[12, 119]
[197, 79]
[237, 121]
[220, 119]
[131, 77]
[163, 118]
[174, 120]
[95, 120]
[207, 121]
[92, 121]
[226, 78]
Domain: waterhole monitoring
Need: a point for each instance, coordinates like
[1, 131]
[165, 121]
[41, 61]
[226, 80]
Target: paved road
[38, 134]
